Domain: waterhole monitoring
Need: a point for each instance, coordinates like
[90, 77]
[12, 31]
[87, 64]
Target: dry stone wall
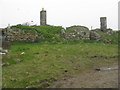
[21, 35]
[94, 36]
[70, 33]
[76, 32]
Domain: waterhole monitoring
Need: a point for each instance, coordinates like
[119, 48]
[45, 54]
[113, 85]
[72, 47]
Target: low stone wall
[70, 33]
[94, 36]
[76, 32]
[21, 35]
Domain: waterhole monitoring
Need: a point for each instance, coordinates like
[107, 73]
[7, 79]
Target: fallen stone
[5, 64]
[22, 53]
[105, 69]
[3, 51]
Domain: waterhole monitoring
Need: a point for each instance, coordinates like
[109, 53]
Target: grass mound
[76, 28]
[45, 32]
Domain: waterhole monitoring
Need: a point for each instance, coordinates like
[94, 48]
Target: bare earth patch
[90, 79]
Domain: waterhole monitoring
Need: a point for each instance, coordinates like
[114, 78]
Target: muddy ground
[90, 79]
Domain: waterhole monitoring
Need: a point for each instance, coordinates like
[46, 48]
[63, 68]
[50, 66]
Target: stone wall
[21, 35]
[70, 33]
[94, 36]
[76, 32]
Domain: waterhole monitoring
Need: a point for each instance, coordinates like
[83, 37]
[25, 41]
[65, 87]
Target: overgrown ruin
[34, 33]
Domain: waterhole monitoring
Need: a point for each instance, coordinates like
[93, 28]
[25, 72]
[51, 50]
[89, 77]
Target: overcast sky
[60, 12]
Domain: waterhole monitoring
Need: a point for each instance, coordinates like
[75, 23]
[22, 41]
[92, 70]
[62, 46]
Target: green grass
[42, 61]
[46, 33]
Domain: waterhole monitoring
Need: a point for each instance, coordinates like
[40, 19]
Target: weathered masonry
[103, 24]
[43, 17]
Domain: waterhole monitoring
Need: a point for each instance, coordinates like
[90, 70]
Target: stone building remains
[43, 17]
[103, 24]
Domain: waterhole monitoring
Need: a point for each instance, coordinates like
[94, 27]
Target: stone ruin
[21, 35]
[71, 33]
[76, 32]
[103, 24]
[94, 35]
[103, 21]
[79, 32]
[43, 17]
[16, 34]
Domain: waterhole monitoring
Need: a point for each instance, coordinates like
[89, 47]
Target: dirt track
[90, 79]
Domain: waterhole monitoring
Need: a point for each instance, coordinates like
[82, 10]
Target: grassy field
[43, 63]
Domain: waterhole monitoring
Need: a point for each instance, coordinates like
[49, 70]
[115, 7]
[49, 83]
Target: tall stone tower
[43, 17]
[103, 24]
